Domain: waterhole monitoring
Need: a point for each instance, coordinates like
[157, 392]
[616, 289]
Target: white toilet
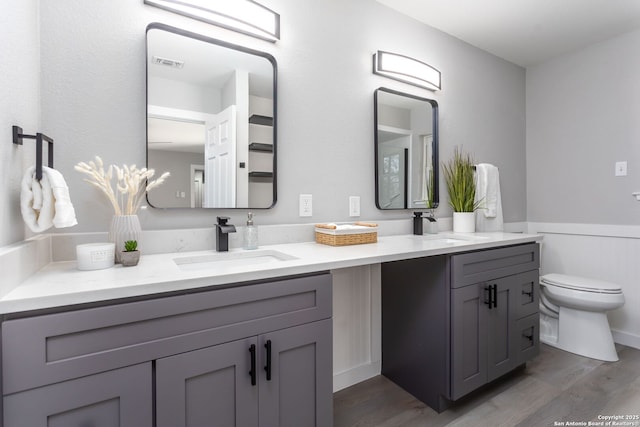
[573, 315]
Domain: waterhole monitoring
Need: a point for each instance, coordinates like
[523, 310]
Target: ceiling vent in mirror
[173, 63]
[244, 16]
[406, 69]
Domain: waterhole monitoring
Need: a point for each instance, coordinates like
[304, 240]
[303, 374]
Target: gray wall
[179, 164]
[93, 102]
[583, 115]
[19, 70]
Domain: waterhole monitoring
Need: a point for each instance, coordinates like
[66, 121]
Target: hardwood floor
[556, 387]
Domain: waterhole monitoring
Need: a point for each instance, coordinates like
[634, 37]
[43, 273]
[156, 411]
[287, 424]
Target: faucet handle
[222, 220]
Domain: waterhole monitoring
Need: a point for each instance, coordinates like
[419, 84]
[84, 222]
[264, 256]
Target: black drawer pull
[267, 368]
[252, 372]
[530, 294]
[529, 337]
[494, 291]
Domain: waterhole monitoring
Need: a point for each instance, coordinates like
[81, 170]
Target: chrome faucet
[222, 233]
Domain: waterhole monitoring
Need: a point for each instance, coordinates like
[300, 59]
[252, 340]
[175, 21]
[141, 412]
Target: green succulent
[130, 245]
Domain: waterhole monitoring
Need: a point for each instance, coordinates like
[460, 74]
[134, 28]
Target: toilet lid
[580, 283]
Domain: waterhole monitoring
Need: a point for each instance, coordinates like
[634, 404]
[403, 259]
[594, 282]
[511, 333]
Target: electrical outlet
[306, 205]
[354, 206]
[621, 168]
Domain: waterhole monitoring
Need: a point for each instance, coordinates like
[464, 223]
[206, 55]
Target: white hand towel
[46, 202]
[489, 218]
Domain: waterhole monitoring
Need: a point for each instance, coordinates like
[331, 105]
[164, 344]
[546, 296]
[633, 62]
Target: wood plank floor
[556, 387]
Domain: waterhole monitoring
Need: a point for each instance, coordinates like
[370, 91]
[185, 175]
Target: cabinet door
[208, 387]
[122, 397]
[298, 392]
[501, 328]
[468, 340]
[517, 295]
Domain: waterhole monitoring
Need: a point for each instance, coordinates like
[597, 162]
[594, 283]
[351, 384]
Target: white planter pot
[123, 228]
[464, 222]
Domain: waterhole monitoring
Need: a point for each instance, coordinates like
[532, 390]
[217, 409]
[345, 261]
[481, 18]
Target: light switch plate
[621, 168]
[354, 206]
[306, 205]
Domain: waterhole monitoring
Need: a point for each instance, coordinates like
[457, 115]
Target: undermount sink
[231, 259]
[450, 238]
[441, 239]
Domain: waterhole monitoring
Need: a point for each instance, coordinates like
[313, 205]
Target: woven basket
[345, 238]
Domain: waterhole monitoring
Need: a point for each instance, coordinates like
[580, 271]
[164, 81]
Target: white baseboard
[625, 338]
[355, 375]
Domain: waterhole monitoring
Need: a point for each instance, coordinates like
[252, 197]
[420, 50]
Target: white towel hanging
[489, 216]
[46, 203]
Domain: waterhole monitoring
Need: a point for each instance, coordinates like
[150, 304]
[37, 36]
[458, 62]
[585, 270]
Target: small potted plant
[461, 186]
[131, 255]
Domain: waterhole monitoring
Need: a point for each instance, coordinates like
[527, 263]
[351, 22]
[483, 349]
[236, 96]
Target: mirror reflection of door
[220, 160]
[197, 185]
[393, 152]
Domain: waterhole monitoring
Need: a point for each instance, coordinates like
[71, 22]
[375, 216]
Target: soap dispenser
[250, 234]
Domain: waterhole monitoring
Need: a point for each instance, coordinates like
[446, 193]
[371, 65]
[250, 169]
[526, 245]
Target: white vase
[123, 228]
[464, 222]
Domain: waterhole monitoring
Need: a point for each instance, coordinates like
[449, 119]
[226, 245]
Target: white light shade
[406, 69]
[244, 16]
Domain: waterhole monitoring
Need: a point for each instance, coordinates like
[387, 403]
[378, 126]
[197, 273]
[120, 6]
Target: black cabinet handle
[487, 296]
[530, 294]
[529, 337]
[267, 368]
[252, 372]
[494, 291]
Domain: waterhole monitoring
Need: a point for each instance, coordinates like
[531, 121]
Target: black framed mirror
[406, 150]
[211, 121]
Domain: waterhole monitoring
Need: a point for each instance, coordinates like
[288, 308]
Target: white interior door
[220, 160]
[392, 174]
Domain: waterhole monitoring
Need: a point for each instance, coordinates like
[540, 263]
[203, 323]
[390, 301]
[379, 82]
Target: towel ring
[18, 136]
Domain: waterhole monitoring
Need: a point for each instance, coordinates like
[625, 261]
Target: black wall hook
[18, 138]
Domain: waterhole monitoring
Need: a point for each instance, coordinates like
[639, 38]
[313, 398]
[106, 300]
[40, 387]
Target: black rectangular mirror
[406, 150]
[211, 121]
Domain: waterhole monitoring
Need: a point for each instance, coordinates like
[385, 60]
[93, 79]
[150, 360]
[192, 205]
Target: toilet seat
[581, 284]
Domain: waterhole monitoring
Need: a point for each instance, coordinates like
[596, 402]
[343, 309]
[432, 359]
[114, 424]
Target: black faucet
[417, 223]
[222, 233]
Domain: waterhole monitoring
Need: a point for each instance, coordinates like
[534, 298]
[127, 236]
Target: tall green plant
[459, 178]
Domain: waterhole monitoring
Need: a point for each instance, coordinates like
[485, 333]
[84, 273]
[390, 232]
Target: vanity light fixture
[406, 69]
[243, 16]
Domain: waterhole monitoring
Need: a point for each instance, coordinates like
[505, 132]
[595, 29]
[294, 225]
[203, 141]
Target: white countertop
[61, 283]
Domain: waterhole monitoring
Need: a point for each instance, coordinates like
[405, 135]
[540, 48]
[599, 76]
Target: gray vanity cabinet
[486, 339]
[278, 379]
[184, 356]
[452, 323]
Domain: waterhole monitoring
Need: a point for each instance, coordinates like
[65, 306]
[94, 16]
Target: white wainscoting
[357, 351]
[605, 252]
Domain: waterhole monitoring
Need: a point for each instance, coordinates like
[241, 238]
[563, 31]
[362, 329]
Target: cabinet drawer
[474, 267]
[50, 348]
[122, 397]
[528, 341]
[527, 293]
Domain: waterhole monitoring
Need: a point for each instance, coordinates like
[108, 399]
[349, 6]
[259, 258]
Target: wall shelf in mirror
[260, 147]
[260, 174]
[257, 119]
[210, 121]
